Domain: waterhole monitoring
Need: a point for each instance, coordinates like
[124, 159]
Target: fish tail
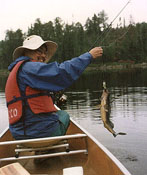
[122, 133]
[119, 133]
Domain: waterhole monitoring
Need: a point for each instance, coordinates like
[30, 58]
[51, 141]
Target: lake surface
[128, 92]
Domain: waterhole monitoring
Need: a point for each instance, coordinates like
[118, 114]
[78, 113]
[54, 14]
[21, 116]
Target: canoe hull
[98, 161]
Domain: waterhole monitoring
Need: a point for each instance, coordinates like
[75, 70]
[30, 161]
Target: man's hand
[96, 52]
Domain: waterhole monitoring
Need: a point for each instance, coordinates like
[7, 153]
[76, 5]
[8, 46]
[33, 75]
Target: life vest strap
[23, 98]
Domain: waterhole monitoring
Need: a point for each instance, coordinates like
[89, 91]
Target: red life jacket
[38, 100]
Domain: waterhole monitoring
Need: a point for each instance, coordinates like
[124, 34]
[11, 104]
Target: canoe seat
[41, 147]
[73, 171]
[45, 147]
[13, 169]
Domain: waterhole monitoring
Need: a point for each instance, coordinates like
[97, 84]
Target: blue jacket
[50, 77]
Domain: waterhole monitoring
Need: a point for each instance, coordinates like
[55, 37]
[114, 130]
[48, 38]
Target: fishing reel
[59, 98]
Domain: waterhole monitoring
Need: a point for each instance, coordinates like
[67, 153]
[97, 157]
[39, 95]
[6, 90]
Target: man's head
[36, 47]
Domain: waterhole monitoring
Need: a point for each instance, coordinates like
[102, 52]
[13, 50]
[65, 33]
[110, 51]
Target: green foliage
[120, 44]
[12, 40]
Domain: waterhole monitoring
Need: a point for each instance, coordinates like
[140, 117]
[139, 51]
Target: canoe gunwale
[3, 133]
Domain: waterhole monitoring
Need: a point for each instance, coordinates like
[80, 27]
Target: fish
[105, 110]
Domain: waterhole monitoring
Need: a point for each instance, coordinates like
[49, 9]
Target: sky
[20, 14]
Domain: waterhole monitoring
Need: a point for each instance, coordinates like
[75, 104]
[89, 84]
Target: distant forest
[121, 43]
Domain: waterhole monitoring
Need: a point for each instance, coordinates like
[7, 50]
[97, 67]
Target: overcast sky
[20, 14]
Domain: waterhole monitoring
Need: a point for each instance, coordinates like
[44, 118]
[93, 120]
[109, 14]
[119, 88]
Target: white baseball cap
[33, 42]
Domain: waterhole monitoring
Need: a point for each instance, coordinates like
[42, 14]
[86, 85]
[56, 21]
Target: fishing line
[99, 40]
[104, 34]
[113, 42]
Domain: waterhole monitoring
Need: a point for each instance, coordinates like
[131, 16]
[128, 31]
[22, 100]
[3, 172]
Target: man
[32, 113]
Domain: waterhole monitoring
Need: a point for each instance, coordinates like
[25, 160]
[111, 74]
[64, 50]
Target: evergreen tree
[120, 43]
[12, 40]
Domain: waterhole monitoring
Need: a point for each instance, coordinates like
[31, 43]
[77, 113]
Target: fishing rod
[105, 32]
[117, 39]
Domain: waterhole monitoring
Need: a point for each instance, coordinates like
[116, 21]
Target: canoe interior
[96, 162]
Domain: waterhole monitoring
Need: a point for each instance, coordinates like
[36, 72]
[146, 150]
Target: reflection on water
[128, 113]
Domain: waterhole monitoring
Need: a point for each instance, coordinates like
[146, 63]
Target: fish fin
[106, 110]
[111, 124]
[98, 106]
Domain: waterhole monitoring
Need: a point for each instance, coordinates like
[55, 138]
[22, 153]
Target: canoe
[76, 149]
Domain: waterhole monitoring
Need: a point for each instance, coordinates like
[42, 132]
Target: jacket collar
[10, 67]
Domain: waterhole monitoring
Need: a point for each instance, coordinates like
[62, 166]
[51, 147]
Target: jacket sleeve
[53, 76]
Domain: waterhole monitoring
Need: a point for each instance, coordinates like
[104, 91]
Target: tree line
[121, 43]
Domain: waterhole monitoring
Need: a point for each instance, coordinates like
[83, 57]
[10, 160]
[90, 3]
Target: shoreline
[4, 72]
[115, 67]
[112, 67]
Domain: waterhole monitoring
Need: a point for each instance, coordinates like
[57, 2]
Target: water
[128, 113]
[3, 113]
